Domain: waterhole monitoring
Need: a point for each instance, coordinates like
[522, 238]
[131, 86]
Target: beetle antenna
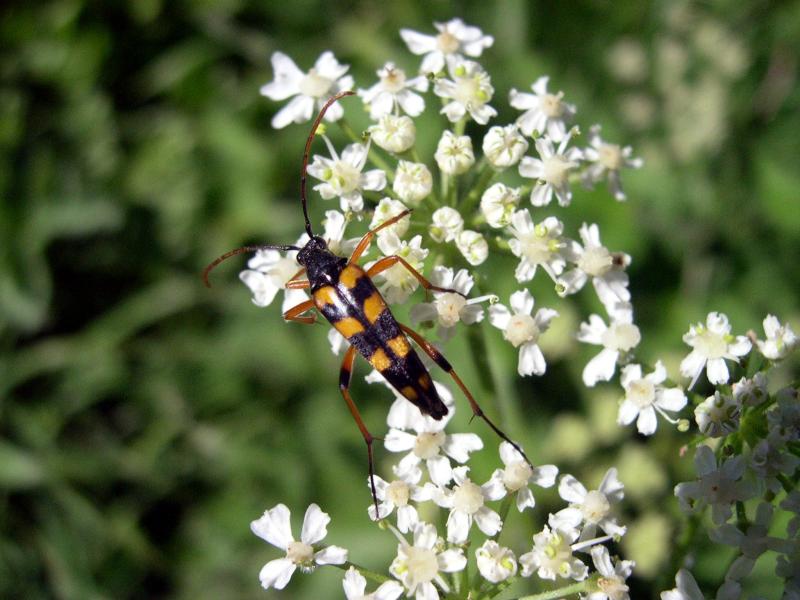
[310, 139]
[242, 250]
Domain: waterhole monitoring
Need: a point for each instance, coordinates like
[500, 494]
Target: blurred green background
[146, 420]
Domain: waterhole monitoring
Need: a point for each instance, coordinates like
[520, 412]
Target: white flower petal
[274, 527]
[315, 525]
[276, 573]
[331, 555]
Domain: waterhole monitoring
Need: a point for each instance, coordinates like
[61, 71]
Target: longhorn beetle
[346, 296]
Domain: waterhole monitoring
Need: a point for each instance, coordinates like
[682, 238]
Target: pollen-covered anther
[595, 507]
[467, 498]
[427, 444]
[398, 493]
[596, 261]
[449, 307]
[521, 329]
[299, 553]
[516, 475]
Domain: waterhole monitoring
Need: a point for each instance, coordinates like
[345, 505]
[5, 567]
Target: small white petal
[315, 525]
[332, 555]
[276, 573]
[274, 527]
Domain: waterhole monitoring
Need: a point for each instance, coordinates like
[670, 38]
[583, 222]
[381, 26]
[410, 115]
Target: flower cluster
[467, 204]
[431, 473]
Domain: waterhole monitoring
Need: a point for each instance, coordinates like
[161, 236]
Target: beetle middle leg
[445, 365]
[389, 261]
[345, 375]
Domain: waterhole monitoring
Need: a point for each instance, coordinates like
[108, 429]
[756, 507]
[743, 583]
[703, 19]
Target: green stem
[371, 575]
[575, 588]
[741, 517]
[482, 180]
[787, 483]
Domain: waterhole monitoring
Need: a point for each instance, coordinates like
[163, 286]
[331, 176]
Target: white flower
[769, 460]
[496, 563]
[607, 160]
[611, 586]
[274, 527]
[523, 330]
[412, 182]
[594, 507]
[686, 588]
[751, 392]
[644, 396]
[309, 91]
[446, 224]
[267, 273]
[394, 90]
[551, 171]
[417, 566]
[397, 283]
[518, 474]
[386, 209]
[718, 487]
[752, 543]
[504, 146]
[594, 260]
[717, 415]
[429, 443]
[544, 112]
[537, 245]
[342, 177]
[450, 308]
[784, 418]
[781, 340]
[469, 91]
[355, 586]
[335, 224]
[552, 555]
[454, 154]
[712, 343]
[498, 204]
[454, 39]
[398, 494]
[395, 133]
[618, 338]
[473, 247]
[466, 501]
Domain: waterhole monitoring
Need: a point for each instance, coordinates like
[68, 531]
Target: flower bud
[412, 182]
[454, 154]
[498, 204]
[394, 133]
[473, 246]
[386, 209]
[504, 146]
[447, 224]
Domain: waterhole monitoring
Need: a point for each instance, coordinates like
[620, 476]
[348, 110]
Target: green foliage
[145, 420]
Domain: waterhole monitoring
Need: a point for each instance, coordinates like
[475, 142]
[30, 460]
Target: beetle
[346, 296]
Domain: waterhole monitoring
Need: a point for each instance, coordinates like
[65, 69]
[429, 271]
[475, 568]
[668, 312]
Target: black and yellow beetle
[346, 296]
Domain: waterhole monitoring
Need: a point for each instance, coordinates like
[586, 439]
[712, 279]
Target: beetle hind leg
[345, 375]
[445, 365]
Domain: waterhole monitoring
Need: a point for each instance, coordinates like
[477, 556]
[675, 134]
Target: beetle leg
[365, 241]
[477, 411]
[389, 261]
[294, 313]
[298, 284]
[344, 386]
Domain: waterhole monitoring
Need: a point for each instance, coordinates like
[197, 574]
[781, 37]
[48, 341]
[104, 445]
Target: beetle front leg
[365, 241]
